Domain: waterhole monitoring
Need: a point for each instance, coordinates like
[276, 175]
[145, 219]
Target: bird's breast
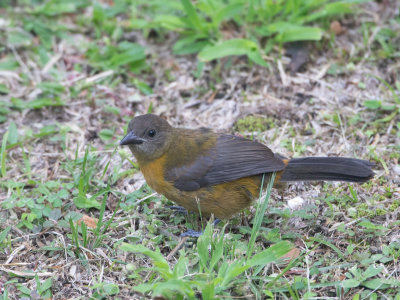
[153, 172]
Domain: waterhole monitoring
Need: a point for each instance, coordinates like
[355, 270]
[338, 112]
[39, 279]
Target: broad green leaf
[280, 27]
[289, 32]
[230, 47]
[369, 225]
[181, 266]
[84, 202]
[350, 283]
[170, 22]
[143, 87]
[375, 284]
[233, 270]
[129, 53]
[271, 254]
[329, 9]
[228, 12]
[233, 47]
[45, 285]
[371, 271]
[203, 244]
[217, 252]
[257, 58]
[159, 260]
[190, 10]
[55, 214]
[372, 104]
[191, 44]
[208, 291]
[24, 289]
[126, 58]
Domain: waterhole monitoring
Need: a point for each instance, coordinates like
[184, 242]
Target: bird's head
[148, 137]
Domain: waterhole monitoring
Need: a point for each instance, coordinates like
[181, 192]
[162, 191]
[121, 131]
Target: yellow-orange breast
[153, 172]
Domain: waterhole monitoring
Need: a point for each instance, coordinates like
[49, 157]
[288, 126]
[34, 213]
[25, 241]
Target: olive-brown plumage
[221, 174]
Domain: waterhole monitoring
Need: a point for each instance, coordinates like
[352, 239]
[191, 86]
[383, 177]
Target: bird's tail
[328, 168]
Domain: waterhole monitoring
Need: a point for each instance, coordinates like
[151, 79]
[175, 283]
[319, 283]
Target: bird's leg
[196, 234]
[216, 222]
[178, 209]
[190, 232]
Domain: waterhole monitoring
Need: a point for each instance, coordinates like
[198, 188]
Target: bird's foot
[191, 233]
[196, 234]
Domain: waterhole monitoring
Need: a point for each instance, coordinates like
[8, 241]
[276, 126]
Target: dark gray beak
[131, 139]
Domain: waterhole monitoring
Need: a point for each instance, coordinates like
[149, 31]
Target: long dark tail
[328, 168]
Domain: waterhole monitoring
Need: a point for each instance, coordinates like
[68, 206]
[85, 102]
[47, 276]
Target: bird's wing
[231, 158]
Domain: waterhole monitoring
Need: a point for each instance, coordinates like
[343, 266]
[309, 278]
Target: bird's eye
[151, 133]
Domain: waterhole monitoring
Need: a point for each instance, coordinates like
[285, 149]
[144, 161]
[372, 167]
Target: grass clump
[216, 29]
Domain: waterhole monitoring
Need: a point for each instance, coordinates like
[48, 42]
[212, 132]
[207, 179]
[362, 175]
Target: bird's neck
[187, 145]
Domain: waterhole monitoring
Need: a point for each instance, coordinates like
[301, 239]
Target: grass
[77, 219]
[219, 268]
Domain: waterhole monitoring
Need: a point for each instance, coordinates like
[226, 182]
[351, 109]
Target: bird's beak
[131, 139]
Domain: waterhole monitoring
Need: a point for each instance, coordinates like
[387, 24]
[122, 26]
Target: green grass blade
[192, 14]
[261, 208]
[3, 154]
[328, 244]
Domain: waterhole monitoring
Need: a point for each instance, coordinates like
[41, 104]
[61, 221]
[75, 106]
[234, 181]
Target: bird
[221, 174]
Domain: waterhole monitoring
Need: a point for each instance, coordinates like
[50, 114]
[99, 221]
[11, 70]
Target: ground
[61, 164]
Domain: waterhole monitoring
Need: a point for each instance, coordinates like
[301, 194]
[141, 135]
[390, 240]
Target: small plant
[42, 291]
[216, 29]
[357, 277]
[215, 272]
